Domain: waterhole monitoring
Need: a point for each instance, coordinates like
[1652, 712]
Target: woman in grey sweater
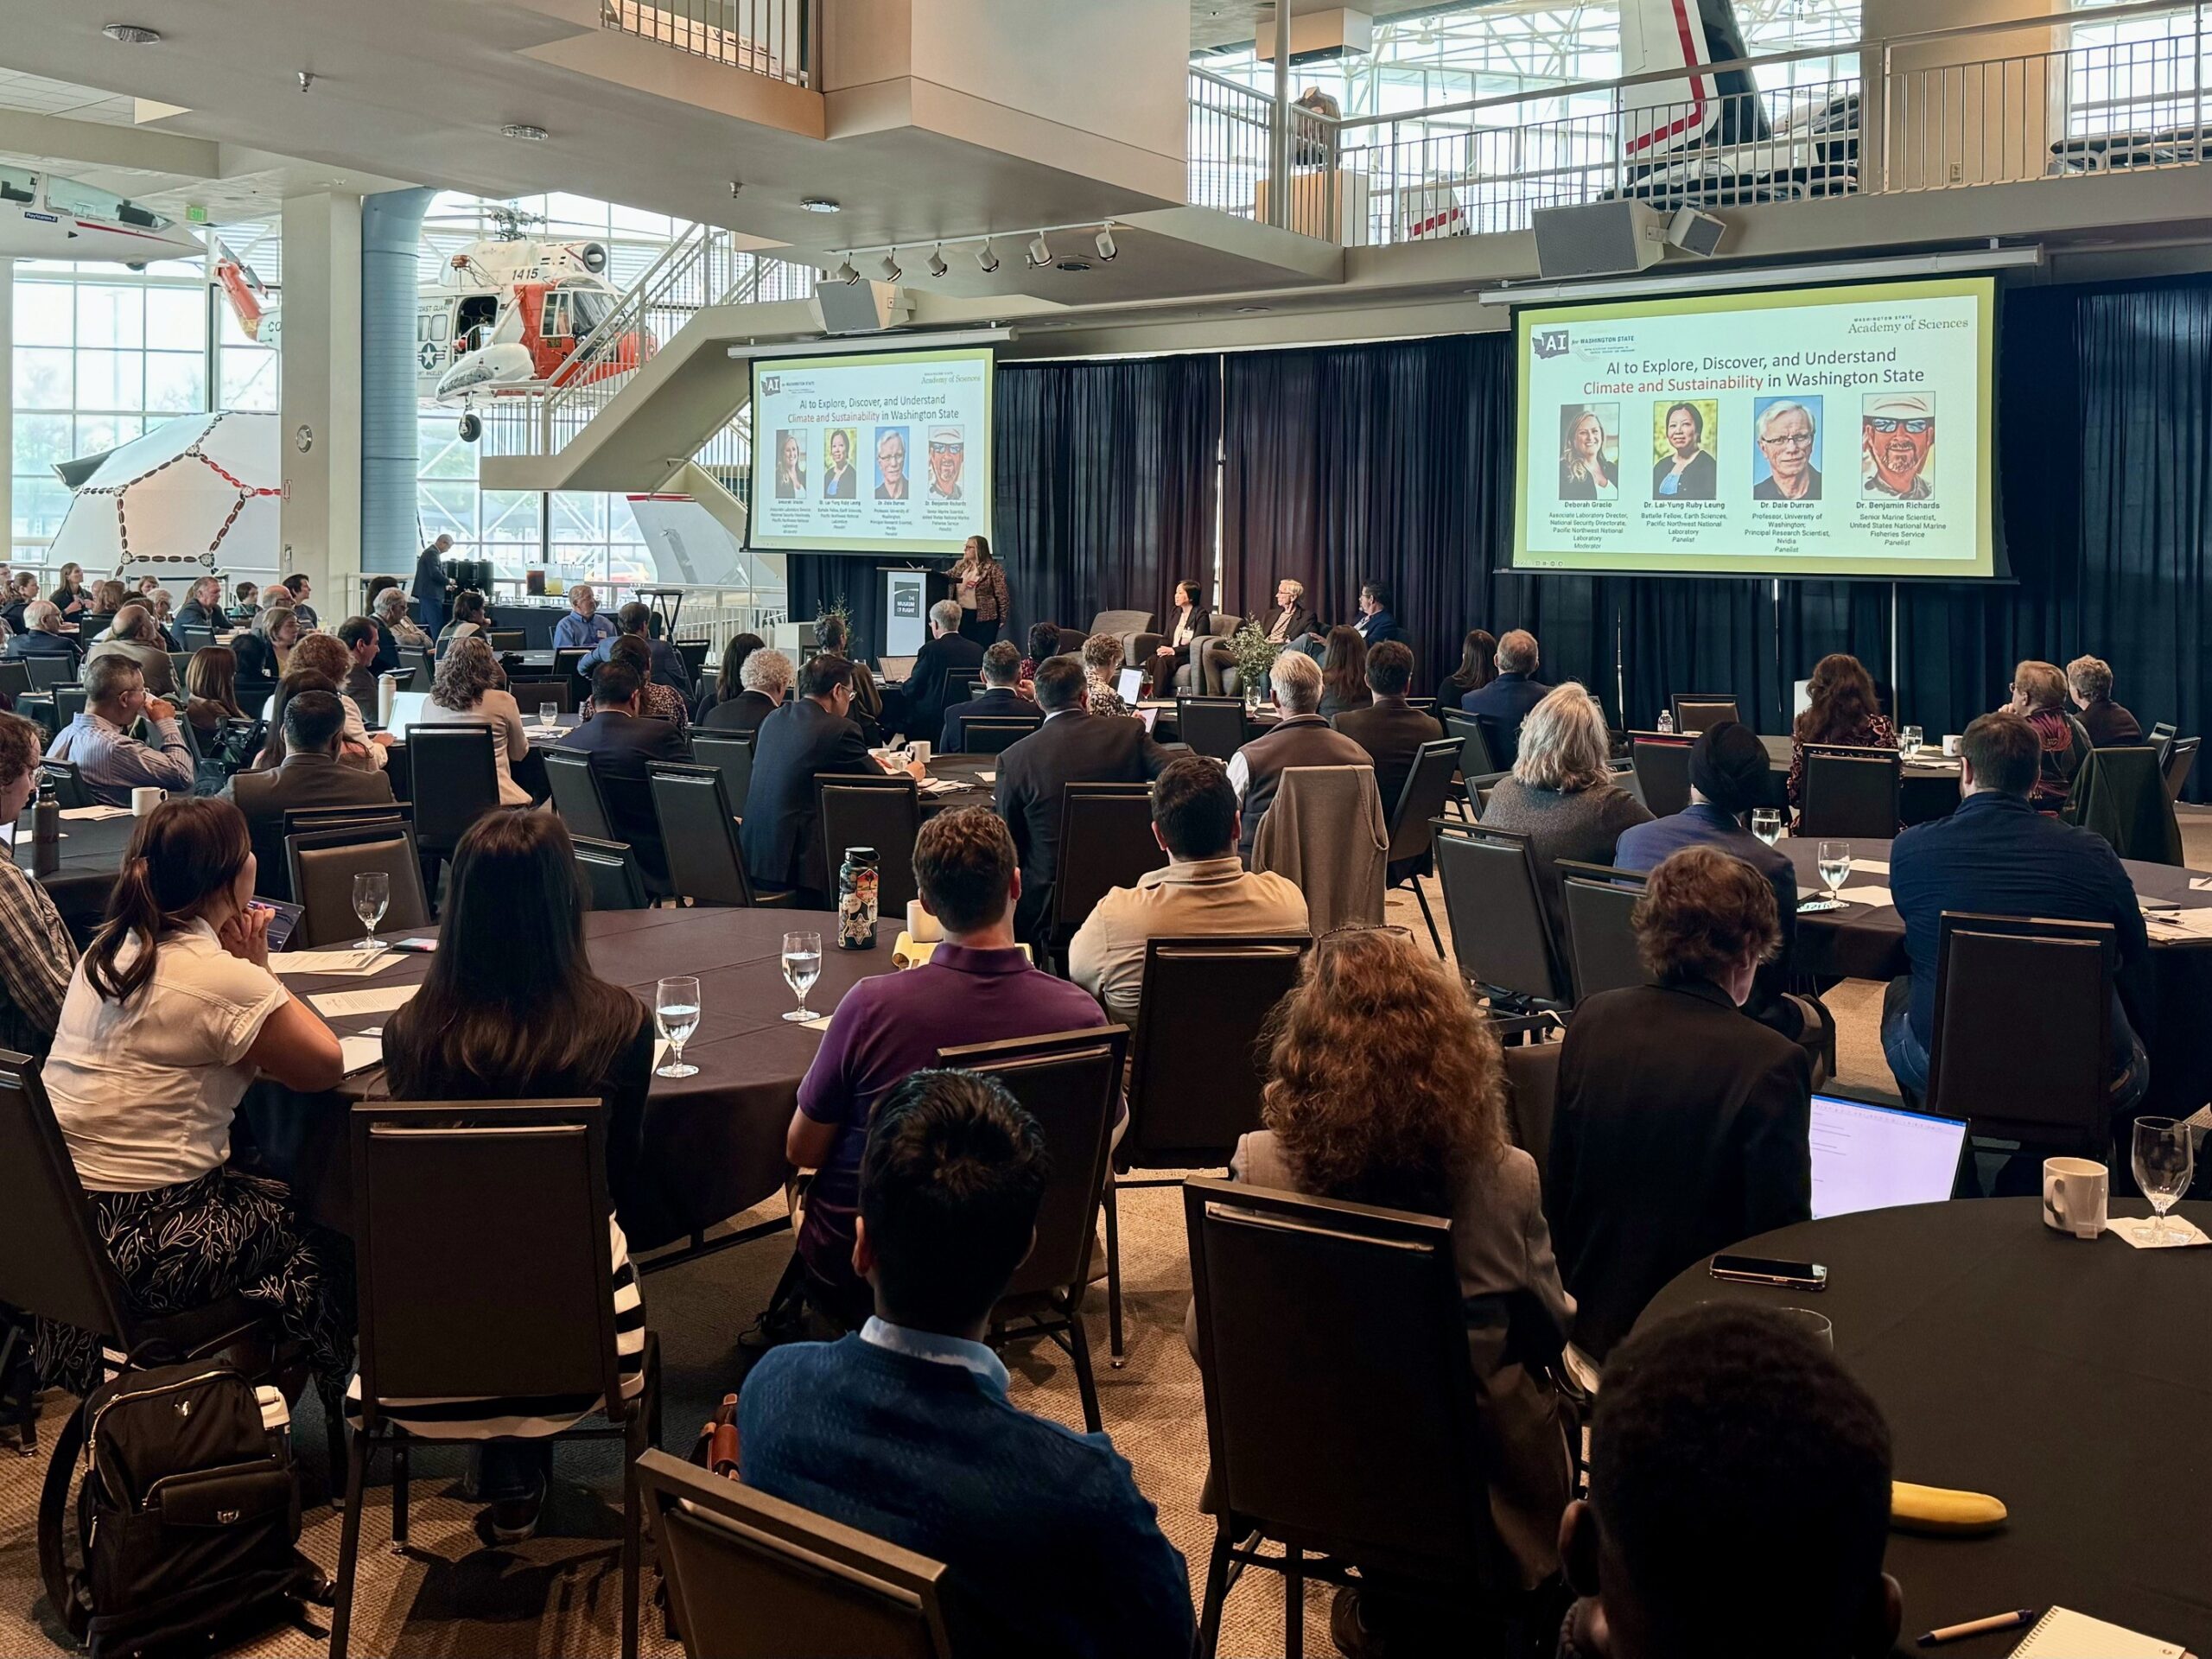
[1561, 794]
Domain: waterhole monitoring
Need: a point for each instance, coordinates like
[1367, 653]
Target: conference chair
[14, 678]
[2161, 737]
[47, 672]
[1850, 791]
[1106, 842]
[1694, 712]
[323, 864]
[69, 791]
[454, 782]
[576, 795]
[1660, 772]
[1601, 926]
[699, 833]
[1505, 746]
[2120, 793]
[69, 701]
[2041, 1079]
[1420, 802]
[1501, 934]
[1069, 1082]
[731, 754]
[504, 639]
[179, 664]
[611, 874]
[1212, 726]
[885, 813]
[529, 694]
[194, 639]
[992, 736]
[484, 1268]
[1198, 1065]
[960, 684]
[752, 1577]
[1475, 758]
[1343, 1418]
[417, 663]
[92, 625]
[565, 661]
[2180, 755]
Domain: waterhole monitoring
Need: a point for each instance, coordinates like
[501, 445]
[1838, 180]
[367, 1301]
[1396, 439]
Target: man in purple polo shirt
[977, 987]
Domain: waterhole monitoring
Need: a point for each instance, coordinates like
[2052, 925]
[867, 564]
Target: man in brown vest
[1300, 738]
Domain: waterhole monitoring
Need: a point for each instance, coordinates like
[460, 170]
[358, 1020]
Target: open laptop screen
[1869, 1157]
[1132, 682]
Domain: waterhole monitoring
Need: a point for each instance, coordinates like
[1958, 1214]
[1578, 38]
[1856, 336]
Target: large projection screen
[880, 452]
[1807, 432]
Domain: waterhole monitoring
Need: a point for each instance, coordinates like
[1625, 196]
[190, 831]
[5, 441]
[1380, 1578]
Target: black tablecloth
[2073, 1380]
[92, 852]
[1929, 789]
[713, 1143]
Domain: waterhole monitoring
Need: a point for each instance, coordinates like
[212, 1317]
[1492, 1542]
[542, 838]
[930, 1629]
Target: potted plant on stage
[1254, 655]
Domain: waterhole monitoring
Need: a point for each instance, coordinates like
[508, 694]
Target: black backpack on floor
[189, 1515]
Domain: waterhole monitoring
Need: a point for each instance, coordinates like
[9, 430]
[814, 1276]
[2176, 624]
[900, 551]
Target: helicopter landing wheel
[471, 427]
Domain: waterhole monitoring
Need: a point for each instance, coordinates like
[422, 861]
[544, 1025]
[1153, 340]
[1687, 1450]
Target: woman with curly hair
[471, 688]
[1102, 662]
[658, 700]
[1369, 1004]
[1843, 709]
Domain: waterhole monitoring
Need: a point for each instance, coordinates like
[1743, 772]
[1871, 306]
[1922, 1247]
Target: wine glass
[1835, 864]
[2164, 1162]
[548, 713]
[1766, 824]
[675, 1013]
[371, 898]
[802, 967]
[1909, 742]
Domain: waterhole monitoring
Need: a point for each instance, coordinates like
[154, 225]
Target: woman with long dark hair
[1186, 622]
[511, 1010]
[727, 686]
[299, 680]
[171, 1013]
[1843, 709]
[68, 595]
[469, 616]
[1344, 673]
[211, 682]
[1478, 668]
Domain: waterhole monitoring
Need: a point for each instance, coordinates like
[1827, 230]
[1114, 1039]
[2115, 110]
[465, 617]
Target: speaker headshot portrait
[1899, 445]
[1589, 452]
[839, 478]
[1786, 450]
[1688, 435]
[891, 483]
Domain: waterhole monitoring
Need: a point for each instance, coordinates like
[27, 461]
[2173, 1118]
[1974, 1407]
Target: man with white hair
[1290, 621]
[583, 627]
[1300, 738]
[765, 677]
[41, 635]
[921, 711]
[1789, 443]
[398, 627]
[1508, 699]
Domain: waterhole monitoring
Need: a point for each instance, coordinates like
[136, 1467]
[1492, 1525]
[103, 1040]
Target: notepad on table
[1866, 895]
[2061, 1633]
[1869, 867]
[359, 1054]
[93, 814]
[354, 964]
[343, 1004]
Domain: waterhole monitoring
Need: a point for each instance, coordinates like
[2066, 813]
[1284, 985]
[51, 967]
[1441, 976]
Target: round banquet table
[1867, 942]
[712, 1144]
[1927, 788]
[2072, 1380]
[92, 852]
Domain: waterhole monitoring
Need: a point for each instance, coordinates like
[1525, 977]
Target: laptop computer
[894, 669]
[1867, 1156]
[407, 708]
[1131, 683]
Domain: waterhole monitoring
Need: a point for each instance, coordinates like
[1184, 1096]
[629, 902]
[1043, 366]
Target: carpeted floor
[559, 1596]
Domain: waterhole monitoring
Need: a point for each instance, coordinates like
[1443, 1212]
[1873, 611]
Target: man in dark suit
[311, 775]
[1516, 689]
[432, 583]
[1376, 624]
[1391, 729]
[918, 711]
[1072, 746]
[622, 742]
[1000, 700]
[1291, 619]
[810, 734]
[2088, 681]
[41, 634]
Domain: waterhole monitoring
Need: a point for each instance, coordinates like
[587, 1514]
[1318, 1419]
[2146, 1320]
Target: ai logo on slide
[771, 384]
[1548, 342]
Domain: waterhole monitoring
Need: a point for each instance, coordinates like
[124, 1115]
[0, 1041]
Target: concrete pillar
[320, 395]
[8, 403]
[391, 235]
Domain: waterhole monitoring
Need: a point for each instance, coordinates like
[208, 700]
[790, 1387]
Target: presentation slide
[1811, 432]
[883, 452]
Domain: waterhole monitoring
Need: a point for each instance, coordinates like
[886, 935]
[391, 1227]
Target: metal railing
[1231, 149]
[775, 38]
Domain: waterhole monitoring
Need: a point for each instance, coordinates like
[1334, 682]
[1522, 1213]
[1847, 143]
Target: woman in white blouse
[170, 1014]
[470, 686]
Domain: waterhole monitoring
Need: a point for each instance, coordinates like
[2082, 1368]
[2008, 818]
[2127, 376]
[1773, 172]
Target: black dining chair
[323, 864]
[1505, 746]
[611, 874]
[576, 795]
[1659, 766]
[1212, 726]
[705, 864]
[752, 1577]
[1106, 842]
[1420, 803]
[2180, 755]
[960, 684]
[1532, 1100]
[1600, 903]
[1475, 758]
[69, 701]
[69, 791]
[454, 781]
[567, 661]
[1695, 712]
[530, 695]
[504, 639]
[194, 639]
[885, 813]
[1850, 791]
[298, 820]
[731, 754]
[483, 1269]
[1501, 932]
[992, 736]
[46, 672]
[417, 663]
[1070, 1083]
[14, 678]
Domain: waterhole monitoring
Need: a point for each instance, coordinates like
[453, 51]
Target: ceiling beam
[98, 144]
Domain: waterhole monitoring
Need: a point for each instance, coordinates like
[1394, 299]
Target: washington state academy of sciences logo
[771, 384]
[1548, 342]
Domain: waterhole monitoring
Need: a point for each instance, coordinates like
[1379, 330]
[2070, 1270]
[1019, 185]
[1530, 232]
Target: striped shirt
[110, 763]
[36, 958]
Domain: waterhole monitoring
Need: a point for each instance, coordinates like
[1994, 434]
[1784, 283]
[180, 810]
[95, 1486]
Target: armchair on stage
[1208, 667]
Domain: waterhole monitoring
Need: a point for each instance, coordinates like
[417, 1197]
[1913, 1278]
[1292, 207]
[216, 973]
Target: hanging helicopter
[44, 217]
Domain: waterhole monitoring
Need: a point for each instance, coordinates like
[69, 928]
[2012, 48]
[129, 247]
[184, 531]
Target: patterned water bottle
[858, 881]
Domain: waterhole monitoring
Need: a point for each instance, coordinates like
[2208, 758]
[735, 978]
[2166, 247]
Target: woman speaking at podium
[979, 583]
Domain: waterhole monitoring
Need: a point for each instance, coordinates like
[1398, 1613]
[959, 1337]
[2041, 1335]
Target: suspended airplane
[44, 217]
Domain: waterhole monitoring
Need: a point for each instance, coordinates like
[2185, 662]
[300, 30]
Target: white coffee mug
[919, 749]
[1951, 745]
[922, 927]
[144, 801]
[2074, 1191]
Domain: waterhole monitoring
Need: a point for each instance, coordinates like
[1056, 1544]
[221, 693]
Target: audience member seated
[2089, 682]
[511, 1010]
[728, 685]
[664, 664]
[1043, 644]
[918, 711]
[1843, 709]
[1291, 620]
[903, 1429]
[1998, 856]
[1375, 623]
[1101, 669]
[1512, 692]
[1188, 620]
[1389, 728]
[322, 653]
[622, 743]
[22, 594]
[203, 606]
[1561, 794]
[37, 953]
[1072, 747]
[109, 762]
[1300, 738]
[302, 590]
[977, 987]
[108, 600]
[1723, 1435]
[655, 700]
[364, 642]
[834, 639]
[1205, 891]
[2039, 698]
[247, 597]
[470, 616]
[584, 626]
[262, 650]
[1344, 673]
[1681, 1126]
[399, 628]
[766, 680]
[211, 679]
[310, 775]
[273, 744]
[137, 640]
[1478, 668]
[162, 603]
[170, 1014]
[1370, 1005]
[1000, 698]
[40, 634]
[811, 733]
[471, 689]
[1728, 777]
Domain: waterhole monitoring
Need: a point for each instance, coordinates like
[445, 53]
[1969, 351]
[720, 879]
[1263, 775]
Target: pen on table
[1978, 1627]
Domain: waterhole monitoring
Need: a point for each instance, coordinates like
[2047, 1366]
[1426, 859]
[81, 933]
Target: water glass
[1835, 864]
[1909, 742]
[548, 713]
[802, 967]
[1766, 824]
[371, 898]
[675, 1014]
[2165, 1161]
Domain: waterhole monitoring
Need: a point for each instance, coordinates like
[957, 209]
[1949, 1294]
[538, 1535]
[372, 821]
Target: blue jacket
[1049, 1546]
[1380, 627]
[668, 662]
[1507, 699]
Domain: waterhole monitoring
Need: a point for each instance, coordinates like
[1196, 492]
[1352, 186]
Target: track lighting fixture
[1040, 252]
[846, 273]
[1104, 242]
[890, 269]
[937, 267]
[986, 260]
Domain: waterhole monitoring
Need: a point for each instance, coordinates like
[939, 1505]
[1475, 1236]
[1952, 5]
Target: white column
[319, 394]
[6, 400]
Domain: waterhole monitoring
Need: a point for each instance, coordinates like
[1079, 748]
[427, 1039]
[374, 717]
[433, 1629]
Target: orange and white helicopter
[505, 318]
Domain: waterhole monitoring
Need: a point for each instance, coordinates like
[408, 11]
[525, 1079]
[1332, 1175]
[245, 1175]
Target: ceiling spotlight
[986, 261]
[937, 267]
[846, 273]
[1104, 242]
[735, 185]
[1040, 252]
[524, 131]
[132, 34]
[890, 267]
[818, 205]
